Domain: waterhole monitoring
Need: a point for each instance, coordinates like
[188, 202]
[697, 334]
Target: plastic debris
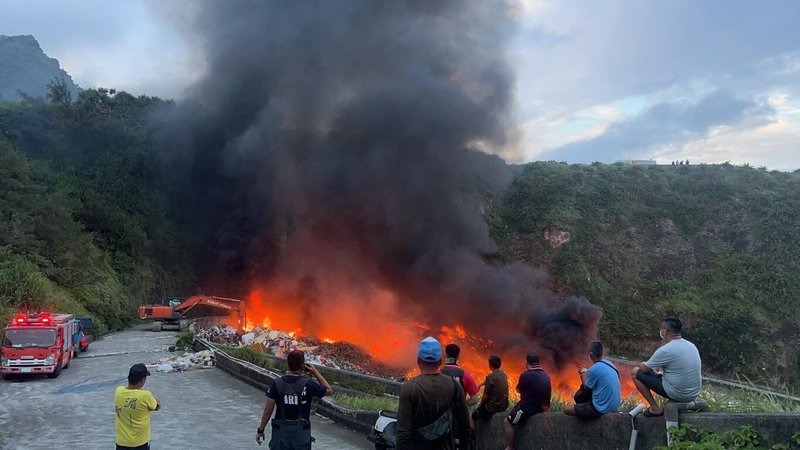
[186, 362]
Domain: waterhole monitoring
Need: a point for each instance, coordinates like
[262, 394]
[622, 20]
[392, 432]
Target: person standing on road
[534, 397]
[290, 397]
[133, 406]
[678, 360]
[433, 409]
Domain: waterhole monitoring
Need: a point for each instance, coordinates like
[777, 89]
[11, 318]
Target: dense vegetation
[83, 226]
[716, 245]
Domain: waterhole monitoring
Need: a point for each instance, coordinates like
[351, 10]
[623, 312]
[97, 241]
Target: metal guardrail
[726, 383]
[260, 378]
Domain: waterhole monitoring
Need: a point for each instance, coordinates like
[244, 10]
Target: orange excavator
[195, 307]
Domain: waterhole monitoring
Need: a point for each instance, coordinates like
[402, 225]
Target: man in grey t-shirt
[679, 363]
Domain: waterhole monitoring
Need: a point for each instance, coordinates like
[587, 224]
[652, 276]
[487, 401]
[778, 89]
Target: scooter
[384, 433]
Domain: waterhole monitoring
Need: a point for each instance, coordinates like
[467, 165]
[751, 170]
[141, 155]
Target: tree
[58, 92]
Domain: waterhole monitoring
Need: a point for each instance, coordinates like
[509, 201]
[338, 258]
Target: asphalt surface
[200, 409]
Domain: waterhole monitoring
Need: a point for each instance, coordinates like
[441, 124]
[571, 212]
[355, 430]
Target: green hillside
[719, 246]
[83, 226]
[86, 227]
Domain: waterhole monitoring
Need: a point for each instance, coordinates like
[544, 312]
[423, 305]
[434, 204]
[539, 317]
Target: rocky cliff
[24, 67]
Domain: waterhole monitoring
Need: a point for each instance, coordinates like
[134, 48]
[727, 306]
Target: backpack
[454, 372]
[290, 434]
[443, 425]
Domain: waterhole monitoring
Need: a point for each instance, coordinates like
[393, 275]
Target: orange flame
[374, 324]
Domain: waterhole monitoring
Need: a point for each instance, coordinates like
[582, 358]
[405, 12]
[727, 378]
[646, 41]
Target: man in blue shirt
[603, 379]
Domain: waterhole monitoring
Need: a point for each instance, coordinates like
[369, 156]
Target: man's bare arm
[268, 408]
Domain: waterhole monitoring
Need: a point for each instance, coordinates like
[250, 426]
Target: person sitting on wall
[495, 392]
[534, 390]
[679, 363]
[602, 380]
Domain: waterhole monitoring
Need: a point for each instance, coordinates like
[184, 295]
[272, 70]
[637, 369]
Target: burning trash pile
[220, 335]
[188, 361]
[337, 355]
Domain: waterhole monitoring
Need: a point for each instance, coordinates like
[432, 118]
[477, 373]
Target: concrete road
[200, 409]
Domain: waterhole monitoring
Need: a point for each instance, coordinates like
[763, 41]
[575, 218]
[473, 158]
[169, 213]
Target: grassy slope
[719, 246]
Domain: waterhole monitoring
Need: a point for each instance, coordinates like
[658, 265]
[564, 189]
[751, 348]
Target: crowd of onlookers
[434, 406]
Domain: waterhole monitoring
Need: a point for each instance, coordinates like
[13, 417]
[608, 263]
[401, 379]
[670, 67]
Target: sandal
[647, 413]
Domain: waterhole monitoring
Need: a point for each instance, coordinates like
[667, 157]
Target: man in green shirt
[432, 406]
[495, 392]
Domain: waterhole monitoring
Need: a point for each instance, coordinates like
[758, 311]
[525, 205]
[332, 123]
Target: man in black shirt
[290, 396]
[534, 389]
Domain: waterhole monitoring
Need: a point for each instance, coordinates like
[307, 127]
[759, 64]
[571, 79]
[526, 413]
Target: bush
[185, 340]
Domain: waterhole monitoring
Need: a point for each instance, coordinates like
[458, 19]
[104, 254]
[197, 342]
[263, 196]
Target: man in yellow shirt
[133, 405]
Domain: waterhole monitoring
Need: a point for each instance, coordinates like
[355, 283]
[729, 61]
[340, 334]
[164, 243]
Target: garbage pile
[188, 361]
[220, 335]
[349, 357]
[338, 355]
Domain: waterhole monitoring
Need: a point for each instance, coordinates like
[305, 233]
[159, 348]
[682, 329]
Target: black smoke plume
[332, 145]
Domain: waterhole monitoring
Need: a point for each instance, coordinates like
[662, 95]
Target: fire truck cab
[38, 343]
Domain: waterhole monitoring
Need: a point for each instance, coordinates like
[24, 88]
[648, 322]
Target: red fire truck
[38, 343]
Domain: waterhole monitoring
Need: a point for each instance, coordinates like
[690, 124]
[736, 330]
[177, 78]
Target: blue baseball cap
[430, 350]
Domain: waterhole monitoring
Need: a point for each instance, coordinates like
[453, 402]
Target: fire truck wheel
[56, 372]
[6, 376]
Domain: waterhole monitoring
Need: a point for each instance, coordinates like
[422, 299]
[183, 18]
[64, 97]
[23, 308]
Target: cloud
[118, 44]
[664, 123]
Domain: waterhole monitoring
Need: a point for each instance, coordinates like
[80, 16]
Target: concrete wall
[552, 430]
[613, 431]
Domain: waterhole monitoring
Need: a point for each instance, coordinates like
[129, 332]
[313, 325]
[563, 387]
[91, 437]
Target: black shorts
[518, 416]
[141, 447]
[481, 413]
[653, 381]
[586, 411]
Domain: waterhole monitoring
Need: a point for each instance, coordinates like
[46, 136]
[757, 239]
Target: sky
[602, 80]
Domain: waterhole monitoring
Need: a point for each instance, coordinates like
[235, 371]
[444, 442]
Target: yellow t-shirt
[133, 408]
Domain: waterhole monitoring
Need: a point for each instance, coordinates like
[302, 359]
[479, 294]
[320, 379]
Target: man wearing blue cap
[433, 409]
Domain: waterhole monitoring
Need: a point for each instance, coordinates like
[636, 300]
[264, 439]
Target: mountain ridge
[26, 69]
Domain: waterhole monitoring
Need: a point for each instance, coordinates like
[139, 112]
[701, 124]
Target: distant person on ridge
[534, 391]
[290, 396]
[679, 362]
[433, 410]
[603, 380]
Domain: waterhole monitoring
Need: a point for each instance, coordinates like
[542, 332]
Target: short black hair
[295, 359]
[673, 324]
[495, 362]
[533, 359]
[452, 350]
[596, 349]
[137, 373]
